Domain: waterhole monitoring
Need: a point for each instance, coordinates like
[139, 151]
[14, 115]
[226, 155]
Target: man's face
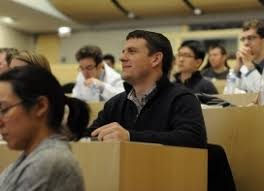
[251, 39]
[3, 63]
[216, 58]
[89, 69]
[137, 64]
[186, 61]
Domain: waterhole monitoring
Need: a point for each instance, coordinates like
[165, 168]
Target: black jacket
[172, 116]
[198, 84]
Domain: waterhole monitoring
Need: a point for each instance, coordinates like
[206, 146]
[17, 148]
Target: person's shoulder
[208, 72]
[117, 99]
[179, 89]
[53, 153]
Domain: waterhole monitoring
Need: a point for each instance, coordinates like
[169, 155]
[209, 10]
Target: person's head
[145, 55]
[252, 36]
[217, 56]
[109, 60]
[32, 106]
[29, 58]
[190, 56]
[6, 55]
[90, 61]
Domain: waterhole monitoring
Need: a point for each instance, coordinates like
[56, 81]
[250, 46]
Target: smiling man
[151, 109]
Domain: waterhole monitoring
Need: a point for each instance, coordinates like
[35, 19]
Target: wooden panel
[226, 5]
[138, 166]
[48, 45]
[65, 73]
[240, 131]
[240, 99]
[104, 10]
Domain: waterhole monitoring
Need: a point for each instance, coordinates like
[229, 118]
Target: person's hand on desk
[111, 132]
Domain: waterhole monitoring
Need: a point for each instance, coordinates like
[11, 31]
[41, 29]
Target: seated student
[97, 81]
[190, 56]
[31, 111]
[6, 55]
[29, 58]
[250, 56]
[217, 63]
[151, 109]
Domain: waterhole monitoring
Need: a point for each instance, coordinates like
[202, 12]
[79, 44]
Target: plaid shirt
[140, 102]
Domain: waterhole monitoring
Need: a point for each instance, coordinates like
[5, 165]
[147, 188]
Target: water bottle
[231, 82]
[261, 91]
[95, 93]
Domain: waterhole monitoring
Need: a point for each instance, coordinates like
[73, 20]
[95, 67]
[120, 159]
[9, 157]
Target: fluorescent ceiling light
[197, 11]
[64, 31]
[7, 20]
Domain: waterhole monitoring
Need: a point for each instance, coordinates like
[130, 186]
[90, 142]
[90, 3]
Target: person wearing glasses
[97, 81]
[250, 56]
[32, 106]
[189, 58]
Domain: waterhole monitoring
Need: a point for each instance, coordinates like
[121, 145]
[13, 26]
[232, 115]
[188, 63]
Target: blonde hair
[33, 59]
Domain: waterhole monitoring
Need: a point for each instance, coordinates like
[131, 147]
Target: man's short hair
[10, 53]
[156, 42]
[109, 57]
[219, 46]
[90, 51]
[196, 47]
[255, 24]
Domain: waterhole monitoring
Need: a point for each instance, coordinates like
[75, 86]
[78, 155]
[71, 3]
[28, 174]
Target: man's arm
[186, 124]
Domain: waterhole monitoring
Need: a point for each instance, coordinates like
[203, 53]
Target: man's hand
[245, 57]
[93, 81]
[111, 132]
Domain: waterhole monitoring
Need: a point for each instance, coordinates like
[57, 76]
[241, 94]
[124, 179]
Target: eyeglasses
[89, 67]
[3, 111]
[185, 55]
[249, 38]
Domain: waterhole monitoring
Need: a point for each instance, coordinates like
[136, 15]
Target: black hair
[156, 42]
[109, 57]
[222, 50]
[196, 46]
[32, 81]
[90, 51]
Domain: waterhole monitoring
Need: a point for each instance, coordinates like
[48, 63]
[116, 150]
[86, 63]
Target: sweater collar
[160, 84]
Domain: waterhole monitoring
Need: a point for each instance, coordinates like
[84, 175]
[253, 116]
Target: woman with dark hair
[32, 106]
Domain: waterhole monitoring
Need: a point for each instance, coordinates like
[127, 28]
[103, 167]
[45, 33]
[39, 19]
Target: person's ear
[157, 59]
[41, 107]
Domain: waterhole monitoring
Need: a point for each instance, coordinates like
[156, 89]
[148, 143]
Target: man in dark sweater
[151, 109]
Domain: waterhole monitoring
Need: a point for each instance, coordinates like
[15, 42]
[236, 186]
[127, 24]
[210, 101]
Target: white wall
[14, 39]
[110, 41]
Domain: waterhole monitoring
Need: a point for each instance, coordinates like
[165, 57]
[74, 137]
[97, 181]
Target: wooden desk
[131, 166]
[241, 131]
[239, 99]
